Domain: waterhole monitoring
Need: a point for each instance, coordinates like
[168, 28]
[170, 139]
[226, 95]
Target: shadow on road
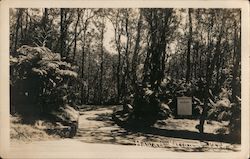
[185, 134]
[85, 108]
[102, 129]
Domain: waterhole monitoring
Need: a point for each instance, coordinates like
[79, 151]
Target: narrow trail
[96, 126]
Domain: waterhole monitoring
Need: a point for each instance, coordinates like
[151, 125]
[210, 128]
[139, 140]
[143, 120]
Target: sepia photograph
[100, 82]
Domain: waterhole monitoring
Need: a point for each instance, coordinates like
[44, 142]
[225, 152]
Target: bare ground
[98, 136]
[96, 126]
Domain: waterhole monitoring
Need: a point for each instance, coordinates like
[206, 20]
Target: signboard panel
[184, 105]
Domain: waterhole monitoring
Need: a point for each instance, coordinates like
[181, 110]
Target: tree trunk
[127, 48]
[75, 33]
[189, 45]
[62, 32]
[237, 55]
[88, 74]
[159, 27]
[19, 15]
[102, 61]
[210, 69]
[136, 51]
[83, 61]
[118, 47]
[44, 25]
[26, 25]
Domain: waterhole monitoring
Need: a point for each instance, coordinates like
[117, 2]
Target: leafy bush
[221, 106]
[40, 80]
[149, 105]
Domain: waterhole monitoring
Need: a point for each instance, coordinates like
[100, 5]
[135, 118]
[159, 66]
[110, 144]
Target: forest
[139, 57]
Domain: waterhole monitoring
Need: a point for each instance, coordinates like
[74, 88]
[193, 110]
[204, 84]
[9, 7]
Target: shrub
[150, 106]
[40, 81]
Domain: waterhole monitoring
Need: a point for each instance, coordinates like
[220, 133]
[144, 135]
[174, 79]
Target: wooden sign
[184, 105]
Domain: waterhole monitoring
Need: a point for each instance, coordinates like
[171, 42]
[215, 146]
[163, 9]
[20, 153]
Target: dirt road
[98, 136]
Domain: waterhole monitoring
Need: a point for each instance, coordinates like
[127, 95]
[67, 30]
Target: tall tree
[62, 31]
[86, 40]
[75, 31]
[189, 45]
[160, 30]
[102, 29]
[212, 57]
[65, 21]
[117, 22]
[136, 49]
[126, 54]
[18, 23]
[236, 61]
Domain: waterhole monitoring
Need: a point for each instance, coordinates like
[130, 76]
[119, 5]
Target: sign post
[184, 105]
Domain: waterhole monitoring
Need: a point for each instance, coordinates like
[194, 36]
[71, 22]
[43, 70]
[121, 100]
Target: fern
[39, 69]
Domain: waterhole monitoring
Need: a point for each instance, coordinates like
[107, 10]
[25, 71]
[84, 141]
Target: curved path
[98, 136]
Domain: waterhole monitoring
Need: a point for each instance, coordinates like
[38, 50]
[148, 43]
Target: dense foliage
[148, 106]
[40, 80]
[153, 55]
